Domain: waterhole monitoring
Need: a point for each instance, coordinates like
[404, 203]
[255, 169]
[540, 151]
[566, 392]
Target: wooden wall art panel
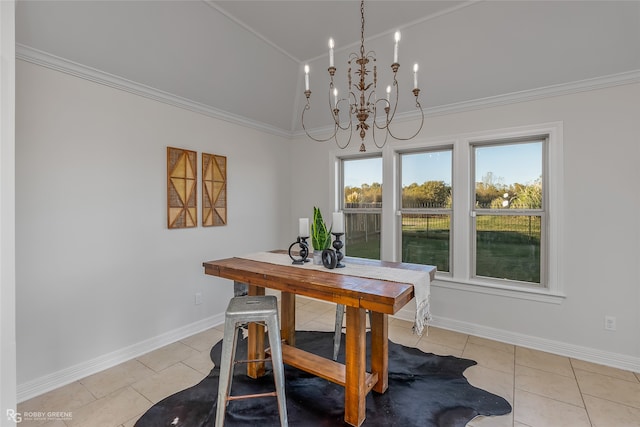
[182, 191]
[214, 190]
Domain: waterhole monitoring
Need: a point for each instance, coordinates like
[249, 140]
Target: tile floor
[544, 389]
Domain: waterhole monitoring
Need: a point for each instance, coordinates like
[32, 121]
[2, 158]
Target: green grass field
[507, 247]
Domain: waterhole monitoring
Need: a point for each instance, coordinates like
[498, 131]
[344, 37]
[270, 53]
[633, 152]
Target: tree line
[490, 194]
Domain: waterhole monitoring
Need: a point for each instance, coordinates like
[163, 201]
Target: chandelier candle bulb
[331, 52]
[388, 93]
[303, 227]
[338, 223]
[335, 96]
[306, 77]
[415, 76]
[395, 47]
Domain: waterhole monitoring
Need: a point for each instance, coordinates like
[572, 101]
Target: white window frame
[461, 265]
[461, 277]
[542, 213]
[340, 197]
[437, 211]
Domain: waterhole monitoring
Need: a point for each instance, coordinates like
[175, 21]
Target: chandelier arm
[419, 107]
[388, 118]
[386, 135]
[395, 105]
[375, 109]
[336, 117]
[372, 94]
[353, 105]
[335, 137]
[335, 131]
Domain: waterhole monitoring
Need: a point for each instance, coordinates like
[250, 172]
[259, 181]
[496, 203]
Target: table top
[382, 296]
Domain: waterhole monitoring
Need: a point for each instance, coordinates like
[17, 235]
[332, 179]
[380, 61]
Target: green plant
[320, 236]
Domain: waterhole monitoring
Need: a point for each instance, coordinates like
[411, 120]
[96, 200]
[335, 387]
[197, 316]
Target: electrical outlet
[610, 323]
[198, 298]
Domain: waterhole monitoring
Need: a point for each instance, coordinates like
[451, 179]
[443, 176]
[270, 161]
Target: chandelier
[361, 102]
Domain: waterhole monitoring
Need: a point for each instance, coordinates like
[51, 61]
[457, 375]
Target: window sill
[531, 294]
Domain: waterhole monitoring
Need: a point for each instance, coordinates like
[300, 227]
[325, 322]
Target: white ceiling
[243, 59]
[302, 28]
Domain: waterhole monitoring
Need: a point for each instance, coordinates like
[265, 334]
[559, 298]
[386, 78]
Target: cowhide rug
[424, 390]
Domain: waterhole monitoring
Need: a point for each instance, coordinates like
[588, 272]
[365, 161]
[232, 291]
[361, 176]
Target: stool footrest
[251, 396]
[252, 361]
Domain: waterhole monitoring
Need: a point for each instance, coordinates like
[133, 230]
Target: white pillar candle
[331, 52]
[395, 48]
[415, 76]
[338, 222]
[306, 77]
[303, 227]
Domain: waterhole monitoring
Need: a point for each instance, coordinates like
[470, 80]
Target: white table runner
[420, 280]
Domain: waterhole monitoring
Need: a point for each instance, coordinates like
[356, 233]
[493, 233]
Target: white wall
[100, 278]
[7, 213]
[601, 231]
[99, 275]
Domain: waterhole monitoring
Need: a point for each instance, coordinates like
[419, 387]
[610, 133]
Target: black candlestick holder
[303, 252]
[337, 244]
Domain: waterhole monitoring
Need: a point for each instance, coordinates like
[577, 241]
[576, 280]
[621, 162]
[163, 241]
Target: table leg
[356, 362]
[380, 350]
[288, 318]
[255, 342]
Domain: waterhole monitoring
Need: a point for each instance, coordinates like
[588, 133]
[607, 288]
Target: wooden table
[358, 294]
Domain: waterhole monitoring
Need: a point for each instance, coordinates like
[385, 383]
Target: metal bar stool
[242, 310]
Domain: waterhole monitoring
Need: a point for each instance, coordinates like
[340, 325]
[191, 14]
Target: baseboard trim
[587, 354]
[38, 386]
[66, 376]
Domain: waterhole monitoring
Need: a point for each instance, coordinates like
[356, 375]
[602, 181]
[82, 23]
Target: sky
[521, 163]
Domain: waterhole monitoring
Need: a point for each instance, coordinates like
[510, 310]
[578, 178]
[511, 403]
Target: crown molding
[53, 62]
[629, 77]
[538, 93]
[56, 63]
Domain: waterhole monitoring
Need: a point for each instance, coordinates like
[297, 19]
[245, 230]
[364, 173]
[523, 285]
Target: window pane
[509, 176]
[508, 247]
[362, 232]
[426, 180]
[425, 239]
[362, 183]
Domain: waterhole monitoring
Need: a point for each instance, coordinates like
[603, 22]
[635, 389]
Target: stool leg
[226, 369]
[278, 368]
[337, 335]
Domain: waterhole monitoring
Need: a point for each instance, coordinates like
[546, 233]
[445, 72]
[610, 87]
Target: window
[509, 210]
[426, 208]
[484, 207]
[361, 201]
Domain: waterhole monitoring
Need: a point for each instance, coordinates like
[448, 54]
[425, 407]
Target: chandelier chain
[362, 28]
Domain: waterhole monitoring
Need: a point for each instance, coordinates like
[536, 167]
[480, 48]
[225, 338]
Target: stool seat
[248, 308]
[244, 309]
